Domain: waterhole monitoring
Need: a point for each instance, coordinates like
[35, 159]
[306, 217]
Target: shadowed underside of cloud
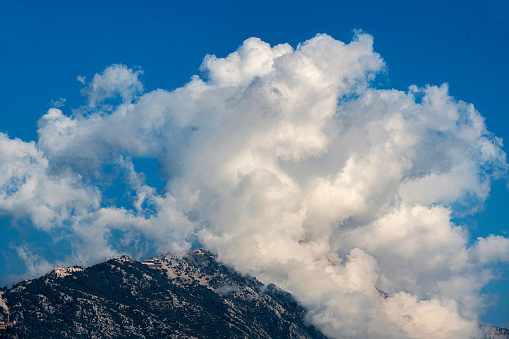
[292, 168]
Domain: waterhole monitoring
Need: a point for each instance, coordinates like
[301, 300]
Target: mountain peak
[164, 297]
[168, 296]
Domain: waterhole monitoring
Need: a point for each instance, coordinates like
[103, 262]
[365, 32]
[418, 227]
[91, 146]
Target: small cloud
[115, 81]
[81, 79]
[58, 103]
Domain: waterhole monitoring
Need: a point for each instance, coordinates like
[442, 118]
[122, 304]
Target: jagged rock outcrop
[165, 297]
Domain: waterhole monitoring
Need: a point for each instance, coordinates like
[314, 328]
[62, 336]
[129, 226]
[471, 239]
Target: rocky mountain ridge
[165, 297]
[169, 296]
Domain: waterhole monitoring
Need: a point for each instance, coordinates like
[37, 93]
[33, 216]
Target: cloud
[58, 103]
[292, 168]
[29, 191]
[116, 80]
[491, 249]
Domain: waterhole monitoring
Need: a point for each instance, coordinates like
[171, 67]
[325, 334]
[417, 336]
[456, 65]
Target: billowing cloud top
[292, 168]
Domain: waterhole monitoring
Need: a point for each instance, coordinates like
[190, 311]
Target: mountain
[491, 332]
[165, 297]
[193, 296]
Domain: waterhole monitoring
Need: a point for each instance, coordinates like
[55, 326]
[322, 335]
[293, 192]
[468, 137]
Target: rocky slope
[165, 297]
[491, 332]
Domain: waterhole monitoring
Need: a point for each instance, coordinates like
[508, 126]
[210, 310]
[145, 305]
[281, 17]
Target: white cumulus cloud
[289, 165]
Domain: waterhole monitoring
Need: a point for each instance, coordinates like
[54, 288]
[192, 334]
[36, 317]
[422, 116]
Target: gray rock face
[491, 332]
[165, 297]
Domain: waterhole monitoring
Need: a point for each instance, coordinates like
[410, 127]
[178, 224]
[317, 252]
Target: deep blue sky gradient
[45, 45]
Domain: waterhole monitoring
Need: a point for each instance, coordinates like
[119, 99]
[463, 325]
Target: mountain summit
[169, 296]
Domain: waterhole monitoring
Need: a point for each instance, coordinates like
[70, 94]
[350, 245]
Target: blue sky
[45, 46]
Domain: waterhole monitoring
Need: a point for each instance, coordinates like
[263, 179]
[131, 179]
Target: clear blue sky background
[45, 45]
